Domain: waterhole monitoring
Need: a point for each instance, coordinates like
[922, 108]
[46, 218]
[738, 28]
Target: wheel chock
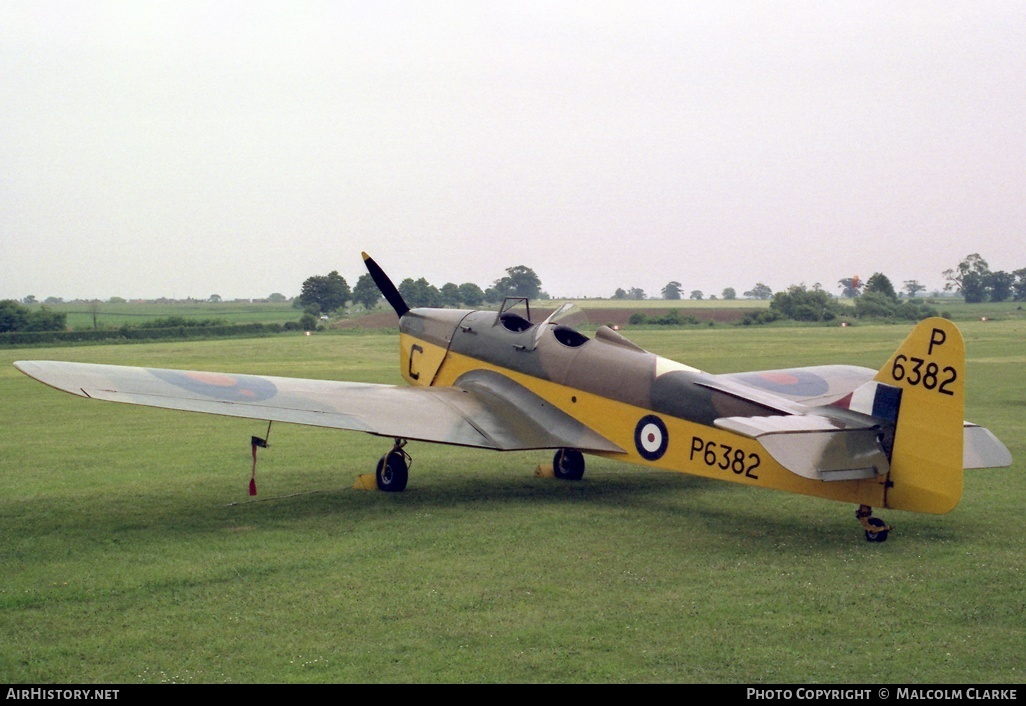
[545, 471]
[365, 481]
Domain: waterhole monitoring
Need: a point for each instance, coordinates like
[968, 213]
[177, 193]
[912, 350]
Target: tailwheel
[878, 535]
[568, 464]
[876, 529]
[393, 469]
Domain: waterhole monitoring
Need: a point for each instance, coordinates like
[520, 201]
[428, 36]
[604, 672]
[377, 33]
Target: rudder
[926, 459]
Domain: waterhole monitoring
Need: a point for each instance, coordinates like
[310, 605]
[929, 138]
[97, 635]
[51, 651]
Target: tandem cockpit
[515, 316]
[509, 338]
[564, 323]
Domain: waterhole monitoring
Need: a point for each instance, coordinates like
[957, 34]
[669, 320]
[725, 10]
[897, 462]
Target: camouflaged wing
[488, 410]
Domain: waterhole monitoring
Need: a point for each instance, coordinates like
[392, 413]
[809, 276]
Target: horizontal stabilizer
[816, 447]
[981, 449]
[812, 386]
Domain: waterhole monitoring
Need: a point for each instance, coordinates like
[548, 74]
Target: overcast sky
[181, 149]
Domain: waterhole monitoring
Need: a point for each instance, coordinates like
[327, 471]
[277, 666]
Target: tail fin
[926, 460]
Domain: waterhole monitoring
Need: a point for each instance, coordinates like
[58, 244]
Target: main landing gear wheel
[393, 469]
[879, 535]
[568, 464]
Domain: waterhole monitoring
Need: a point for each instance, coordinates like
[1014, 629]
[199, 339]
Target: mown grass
[130, 551]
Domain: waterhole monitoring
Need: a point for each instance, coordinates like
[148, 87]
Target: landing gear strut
[393, 469]
[876, 529]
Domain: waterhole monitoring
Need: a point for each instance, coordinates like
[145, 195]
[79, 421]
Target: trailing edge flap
[517, 418]
[489, 411]
[816, 447]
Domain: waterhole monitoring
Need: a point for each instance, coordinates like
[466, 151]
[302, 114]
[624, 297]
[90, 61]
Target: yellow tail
[926, 460]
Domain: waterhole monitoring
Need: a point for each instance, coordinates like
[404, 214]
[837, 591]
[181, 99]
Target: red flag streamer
[254, 442]
[252, 477]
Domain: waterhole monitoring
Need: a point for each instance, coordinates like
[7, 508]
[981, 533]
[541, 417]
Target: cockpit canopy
[563, 322]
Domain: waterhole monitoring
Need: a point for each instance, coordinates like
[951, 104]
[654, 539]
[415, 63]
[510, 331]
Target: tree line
[876, 296]
[329, 293]
[16, 317]
[321, 295]
[973, 279]
[875, 299]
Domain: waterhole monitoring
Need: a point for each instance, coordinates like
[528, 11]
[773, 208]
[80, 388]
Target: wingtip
[365, 256]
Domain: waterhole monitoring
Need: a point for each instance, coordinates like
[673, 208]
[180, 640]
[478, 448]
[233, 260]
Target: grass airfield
[131, 552]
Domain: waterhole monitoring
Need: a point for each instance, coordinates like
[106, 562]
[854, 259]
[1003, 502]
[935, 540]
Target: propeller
[388, 290]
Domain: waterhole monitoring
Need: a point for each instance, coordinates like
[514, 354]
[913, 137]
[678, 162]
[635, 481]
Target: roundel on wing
[797, 382]
[651, 437]
[233, 388]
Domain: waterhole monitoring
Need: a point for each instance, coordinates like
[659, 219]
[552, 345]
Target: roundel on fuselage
[651, 437]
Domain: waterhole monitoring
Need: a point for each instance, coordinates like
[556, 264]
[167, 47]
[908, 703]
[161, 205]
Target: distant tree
[12, 316]
[875, 305]
[619, 294]
[471, 294]
[492, 295]
[116, 300]
[328, 293]
[450, 292]
[802, 304]
[15, 317]
[30, 299]
[420, 293]
[696, 294]
[729, 293]
[636, 294]
[999, 286]
[850, 287]
[969, 278]
[308, 321]
[94, 309]
[1019, 287]
[912, 286]
[214, 298]
[759, 291]
[366, 293]
[520, 281]
[277, 297]
[672, 290]
[880, 306]
[53, 300]
[46, 320]
[880, 284]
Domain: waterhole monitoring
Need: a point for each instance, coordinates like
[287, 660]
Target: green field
[130, 551]
[111, 315]
[84, 315]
